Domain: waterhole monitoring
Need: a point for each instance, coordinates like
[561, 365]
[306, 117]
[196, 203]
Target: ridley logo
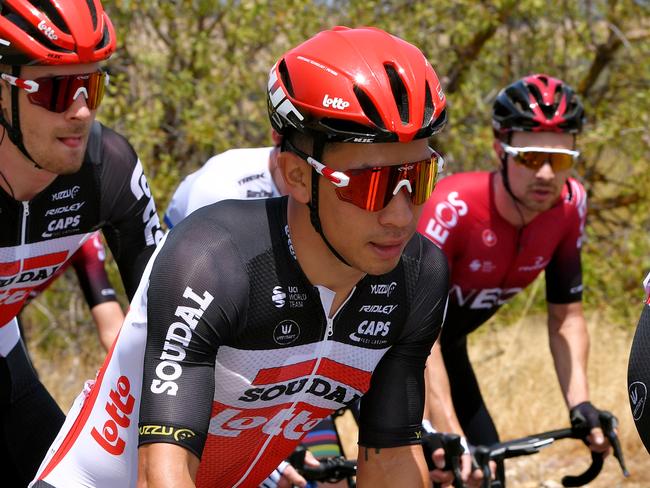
[286, 332]
[47, 30]
[337, 103]
[119, 412]
[383, 289]
[385, 309]
[638, 394]
[278, 297]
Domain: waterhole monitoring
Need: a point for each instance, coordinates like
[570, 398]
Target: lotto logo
[288, 423]
[119, 407]
[337, 103]
[47, 30]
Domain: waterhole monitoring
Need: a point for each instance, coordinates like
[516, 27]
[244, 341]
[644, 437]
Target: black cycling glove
[584, 417]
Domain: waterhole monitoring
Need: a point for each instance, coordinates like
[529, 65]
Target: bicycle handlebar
[329, 470]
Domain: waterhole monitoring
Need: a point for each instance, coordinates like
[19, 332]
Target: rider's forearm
[390, 467]
[439, 407]
[569, 343]
[108, 317]
[163, 465]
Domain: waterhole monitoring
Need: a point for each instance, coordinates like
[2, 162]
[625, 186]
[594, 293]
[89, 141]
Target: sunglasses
[373, 188]
[58, 93]
[536, 157]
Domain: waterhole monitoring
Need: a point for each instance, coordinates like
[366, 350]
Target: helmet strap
[319, 146]
[13, 129]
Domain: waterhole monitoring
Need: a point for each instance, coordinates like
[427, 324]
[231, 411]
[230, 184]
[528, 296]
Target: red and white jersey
[490, 259]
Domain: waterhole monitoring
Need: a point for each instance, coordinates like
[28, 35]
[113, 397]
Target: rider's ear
[297, 176]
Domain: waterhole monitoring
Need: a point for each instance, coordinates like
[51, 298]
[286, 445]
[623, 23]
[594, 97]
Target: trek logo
[178, 338]
[66, 194]
[286, 112]
[47, 30]
[287, 422]
[369, 332]
[75, 207]
[119, 407]
[638, 394]
[286, 332]
[61, 224]
[337, 103]
[140, 188]
[445, 217]
[166, 431]
[317, 387]
[483, 299]
[278, 297]
[383, 289]
[385, 309]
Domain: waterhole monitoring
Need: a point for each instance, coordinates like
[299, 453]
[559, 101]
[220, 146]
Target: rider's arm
[390, 420]
[439, 407]
[197, 293]
[166, 466]
[569, 342]
[108, 317]
[128, 211]
[397, 466]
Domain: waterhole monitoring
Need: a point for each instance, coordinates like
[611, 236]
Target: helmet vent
[53, 14]
[286, 80]
[429, 109]
[93, 12]
[399, 93]
[368, 107]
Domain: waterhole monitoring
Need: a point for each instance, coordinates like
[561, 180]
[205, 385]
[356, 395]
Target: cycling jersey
[38, 237]
[88, 263]
[109, 192]
[491, 261]
[638, 376]
[241, 359]
[235, 174]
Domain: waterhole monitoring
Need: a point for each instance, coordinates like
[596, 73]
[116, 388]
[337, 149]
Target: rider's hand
[596, 440]
[446, 478]
[286, 476]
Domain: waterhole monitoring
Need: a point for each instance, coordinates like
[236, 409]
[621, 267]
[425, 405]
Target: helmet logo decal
[279, 99]
[47, 30]
[5, 42]
[402, 184]
[337, 103]
[81, 90]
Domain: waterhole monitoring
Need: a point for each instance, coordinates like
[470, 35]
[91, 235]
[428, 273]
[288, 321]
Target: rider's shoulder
[574, 194]
[463, 184]
[116, 150]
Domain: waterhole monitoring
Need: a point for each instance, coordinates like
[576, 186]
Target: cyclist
[88, 263]
[258, 318]
[62, 177]
[499, 230]
[638, 373]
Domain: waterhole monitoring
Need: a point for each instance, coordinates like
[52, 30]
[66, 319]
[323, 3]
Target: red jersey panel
[490, 259]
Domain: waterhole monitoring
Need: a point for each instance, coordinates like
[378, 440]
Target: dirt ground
[518, 382]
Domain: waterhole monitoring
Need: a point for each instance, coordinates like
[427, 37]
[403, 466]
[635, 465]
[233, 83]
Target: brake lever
[609, 422]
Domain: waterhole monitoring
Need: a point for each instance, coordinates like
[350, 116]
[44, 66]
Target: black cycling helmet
[537, 103]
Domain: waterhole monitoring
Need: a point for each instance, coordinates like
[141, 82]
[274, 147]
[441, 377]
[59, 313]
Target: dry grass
[518, 382]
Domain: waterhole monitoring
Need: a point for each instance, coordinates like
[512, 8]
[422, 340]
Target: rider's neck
[507, 207]
[24, 179]
[318, 263]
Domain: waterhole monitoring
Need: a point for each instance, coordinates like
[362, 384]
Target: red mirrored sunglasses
[58, 93]
[373, 188]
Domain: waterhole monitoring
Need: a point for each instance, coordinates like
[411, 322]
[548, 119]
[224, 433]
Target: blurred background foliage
[189, 81]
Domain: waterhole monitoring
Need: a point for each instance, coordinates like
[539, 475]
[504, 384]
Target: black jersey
[109, 192]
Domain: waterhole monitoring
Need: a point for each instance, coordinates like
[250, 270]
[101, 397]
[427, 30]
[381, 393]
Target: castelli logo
[47, 30]
[489, 238]
[119, 407]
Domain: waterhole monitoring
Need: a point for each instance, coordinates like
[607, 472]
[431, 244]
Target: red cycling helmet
[356, 85]
[537, 103]
[34, 32]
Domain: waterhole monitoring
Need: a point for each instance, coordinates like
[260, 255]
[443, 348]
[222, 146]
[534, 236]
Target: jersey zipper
[23, 232]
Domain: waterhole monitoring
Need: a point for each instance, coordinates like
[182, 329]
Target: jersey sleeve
[392, 409]
[177, 209]
[564, 271]
[198, 292]
[88, 263]
[128, 211]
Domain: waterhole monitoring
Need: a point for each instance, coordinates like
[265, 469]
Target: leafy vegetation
[189, 81]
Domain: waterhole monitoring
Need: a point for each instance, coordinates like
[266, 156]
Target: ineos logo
[278, 297]
[286, 332]
[446, 216]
